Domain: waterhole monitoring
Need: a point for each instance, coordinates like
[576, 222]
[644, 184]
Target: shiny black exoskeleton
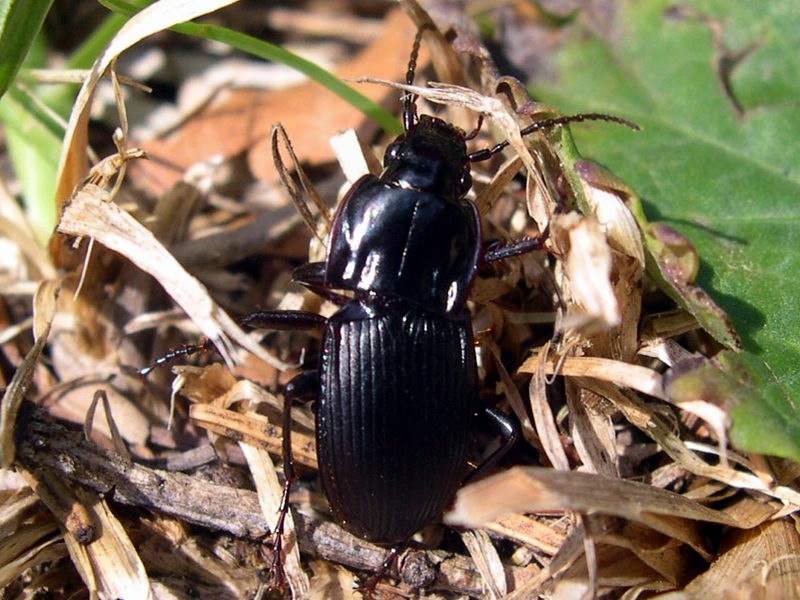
[396, 389]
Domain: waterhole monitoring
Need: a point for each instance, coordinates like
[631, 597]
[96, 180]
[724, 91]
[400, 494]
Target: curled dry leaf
[587, 268]
[669, 262]
[610, 210]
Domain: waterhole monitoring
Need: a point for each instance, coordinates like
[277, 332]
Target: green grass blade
[34, 150]
[20, 21]
[274, 53]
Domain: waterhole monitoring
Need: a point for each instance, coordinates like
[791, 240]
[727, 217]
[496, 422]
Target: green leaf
[34, 149]
[20, 21]
[268, 51]
[766, 419]
[720, 168]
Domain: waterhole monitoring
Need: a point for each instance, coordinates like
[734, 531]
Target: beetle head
[431, 157]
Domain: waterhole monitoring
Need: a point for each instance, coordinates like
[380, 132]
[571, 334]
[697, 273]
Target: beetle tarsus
[371, 583]
[170, 355]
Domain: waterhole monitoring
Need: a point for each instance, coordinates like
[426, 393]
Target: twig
[46, 446]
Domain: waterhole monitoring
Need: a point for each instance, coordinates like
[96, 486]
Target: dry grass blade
[109, 565]
[487, 560]
[332, 581]
[355, 158]
[571, 550]
[270, 490]
[156, 17]
[529, 532]
[90, 214]
[254, 429]
[43, 552]
[16, 507]
[44, 309]
[543, 416]
[536, 489]
[624, 374]
[497, 187]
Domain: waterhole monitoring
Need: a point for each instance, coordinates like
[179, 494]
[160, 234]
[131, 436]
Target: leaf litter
[615, 345]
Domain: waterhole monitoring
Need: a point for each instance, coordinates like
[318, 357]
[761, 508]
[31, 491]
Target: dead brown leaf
[239, 120]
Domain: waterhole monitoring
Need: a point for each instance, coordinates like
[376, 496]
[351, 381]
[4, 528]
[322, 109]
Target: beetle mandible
[396, 389]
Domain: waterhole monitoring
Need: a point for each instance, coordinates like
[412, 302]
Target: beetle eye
[392, 152]
[465, 183]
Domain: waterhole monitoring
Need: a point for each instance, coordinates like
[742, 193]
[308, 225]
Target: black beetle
[396, 389]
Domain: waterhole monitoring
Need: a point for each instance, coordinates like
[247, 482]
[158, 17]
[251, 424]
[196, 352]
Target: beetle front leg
[503, 250]
[302, 388]
[508, 429]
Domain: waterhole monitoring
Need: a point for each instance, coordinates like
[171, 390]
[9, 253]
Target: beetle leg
[302, 388]
[368, 587]
[502, 250]
[508, 429]
[282, 320]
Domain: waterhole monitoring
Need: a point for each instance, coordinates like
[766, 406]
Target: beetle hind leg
[368, 586]
[301, 389]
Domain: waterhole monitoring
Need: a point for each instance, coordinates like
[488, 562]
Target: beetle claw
[276, 567]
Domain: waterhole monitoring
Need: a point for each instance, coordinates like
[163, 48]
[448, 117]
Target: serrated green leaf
[721, 168]
[20, 21]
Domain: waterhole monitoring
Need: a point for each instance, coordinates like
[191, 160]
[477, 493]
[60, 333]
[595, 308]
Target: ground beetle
[396, 389]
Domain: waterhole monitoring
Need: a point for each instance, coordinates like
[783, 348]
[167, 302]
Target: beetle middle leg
[502, 250]
[508, 429]
[301, 389]
[279, 320]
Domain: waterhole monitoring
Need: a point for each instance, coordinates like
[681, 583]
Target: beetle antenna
[474, 133]
[410, 101]
[487, 153]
